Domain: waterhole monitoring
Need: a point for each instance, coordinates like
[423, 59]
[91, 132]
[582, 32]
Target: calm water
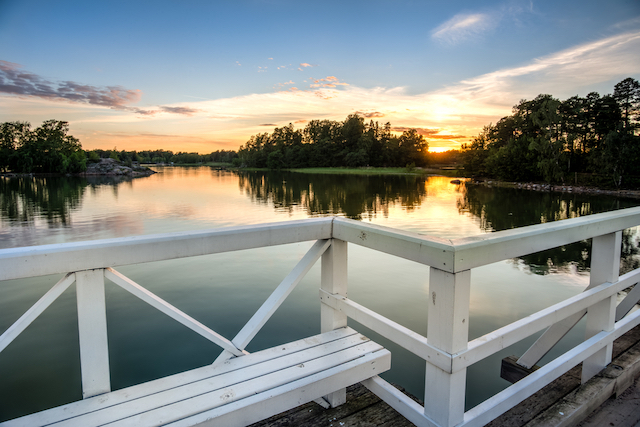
[41, 368]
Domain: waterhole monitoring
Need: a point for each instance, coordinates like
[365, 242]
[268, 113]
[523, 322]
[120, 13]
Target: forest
[50, 149]
[549, 140]
[327, 143]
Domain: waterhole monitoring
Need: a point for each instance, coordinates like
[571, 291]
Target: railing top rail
[457, 255]
[449, 255]
[33, 261]
[492, 247]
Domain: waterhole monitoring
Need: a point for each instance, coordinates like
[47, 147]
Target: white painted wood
[92, 331]
[219, 390]
[448, 330]
[30, 315]
[626, 324]
[278, 296]
[323, 402]
[333, 279]
[605, 267]
[488, 248]
[628, 302]
[33, 261]
[403, 404]
[463, 254]
[495, 341]
[118, 397]
[511, 396]
[404, 337]
[556, 331]
[257, 407]
[171, 311]
[242, 386]
[426, 250]
[548, 340]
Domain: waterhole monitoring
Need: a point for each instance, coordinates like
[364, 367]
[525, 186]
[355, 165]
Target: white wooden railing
[446, 349]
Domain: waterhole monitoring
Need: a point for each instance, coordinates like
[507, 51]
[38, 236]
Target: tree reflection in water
[354, 196]
[505, 208]
[23, 199]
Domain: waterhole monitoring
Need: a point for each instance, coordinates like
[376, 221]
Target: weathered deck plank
[363, 408]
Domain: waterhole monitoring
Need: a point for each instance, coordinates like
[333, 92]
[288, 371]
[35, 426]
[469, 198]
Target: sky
[201, 76]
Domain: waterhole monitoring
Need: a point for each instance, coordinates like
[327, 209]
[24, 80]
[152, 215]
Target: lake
[41, 368]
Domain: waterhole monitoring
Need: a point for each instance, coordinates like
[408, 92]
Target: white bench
[238, 392]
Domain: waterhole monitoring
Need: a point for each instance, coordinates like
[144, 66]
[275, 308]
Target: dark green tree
[12, 136]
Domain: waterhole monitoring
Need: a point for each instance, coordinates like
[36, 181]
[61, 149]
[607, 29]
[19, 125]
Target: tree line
[328, 143]
[163, 156]
[549, 140]
[50, 149]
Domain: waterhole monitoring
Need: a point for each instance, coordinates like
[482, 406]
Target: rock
[112, 167]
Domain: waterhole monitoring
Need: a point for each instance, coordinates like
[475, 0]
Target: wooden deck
[364, 408]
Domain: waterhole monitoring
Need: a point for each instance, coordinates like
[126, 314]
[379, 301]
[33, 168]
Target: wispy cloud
[468, 26]
[329, 81]
[421, 131]
[306, 65]
[370, 114]
[563, 73]
[17, 82]
[186, 111]
[14, 81]
[464, 26]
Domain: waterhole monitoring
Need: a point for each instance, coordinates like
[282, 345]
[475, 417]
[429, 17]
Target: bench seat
[237, 392]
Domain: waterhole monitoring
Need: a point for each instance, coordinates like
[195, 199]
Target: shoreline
[572, 189]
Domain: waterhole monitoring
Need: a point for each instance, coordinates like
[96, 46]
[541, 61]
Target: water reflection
[504, 208]
[39, 210]
[22, 199]
[354, 196]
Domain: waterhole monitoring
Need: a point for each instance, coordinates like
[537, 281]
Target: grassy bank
[376, 171]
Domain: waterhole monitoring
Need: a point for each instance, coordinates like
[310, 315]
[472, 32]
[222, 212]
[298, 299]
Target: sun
[439, 149]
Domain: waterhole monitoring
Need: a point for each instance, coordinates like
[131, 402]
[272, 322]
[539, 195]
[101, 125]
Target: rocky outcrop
[111, 167]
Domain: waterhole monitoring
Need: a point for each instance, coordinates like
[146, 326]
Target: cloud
[329, 81]
[421, 131]
[370, 115]
[464, 26]
[305, 65]
[268, 124]
[562, 74]
[14, 81]
[448, 137]
[179, 110]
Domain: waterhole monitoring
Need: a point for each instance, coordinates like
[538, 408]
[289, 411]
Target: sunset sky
[206, 75]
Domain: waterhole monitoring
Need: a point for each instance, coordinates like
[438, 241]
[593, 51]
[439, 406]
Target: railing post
[605, 267]
[448, 330]
[92, 328]
[333, 279]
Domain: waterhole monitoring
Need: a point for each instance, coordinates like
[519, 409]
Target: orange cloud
[370, 115]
